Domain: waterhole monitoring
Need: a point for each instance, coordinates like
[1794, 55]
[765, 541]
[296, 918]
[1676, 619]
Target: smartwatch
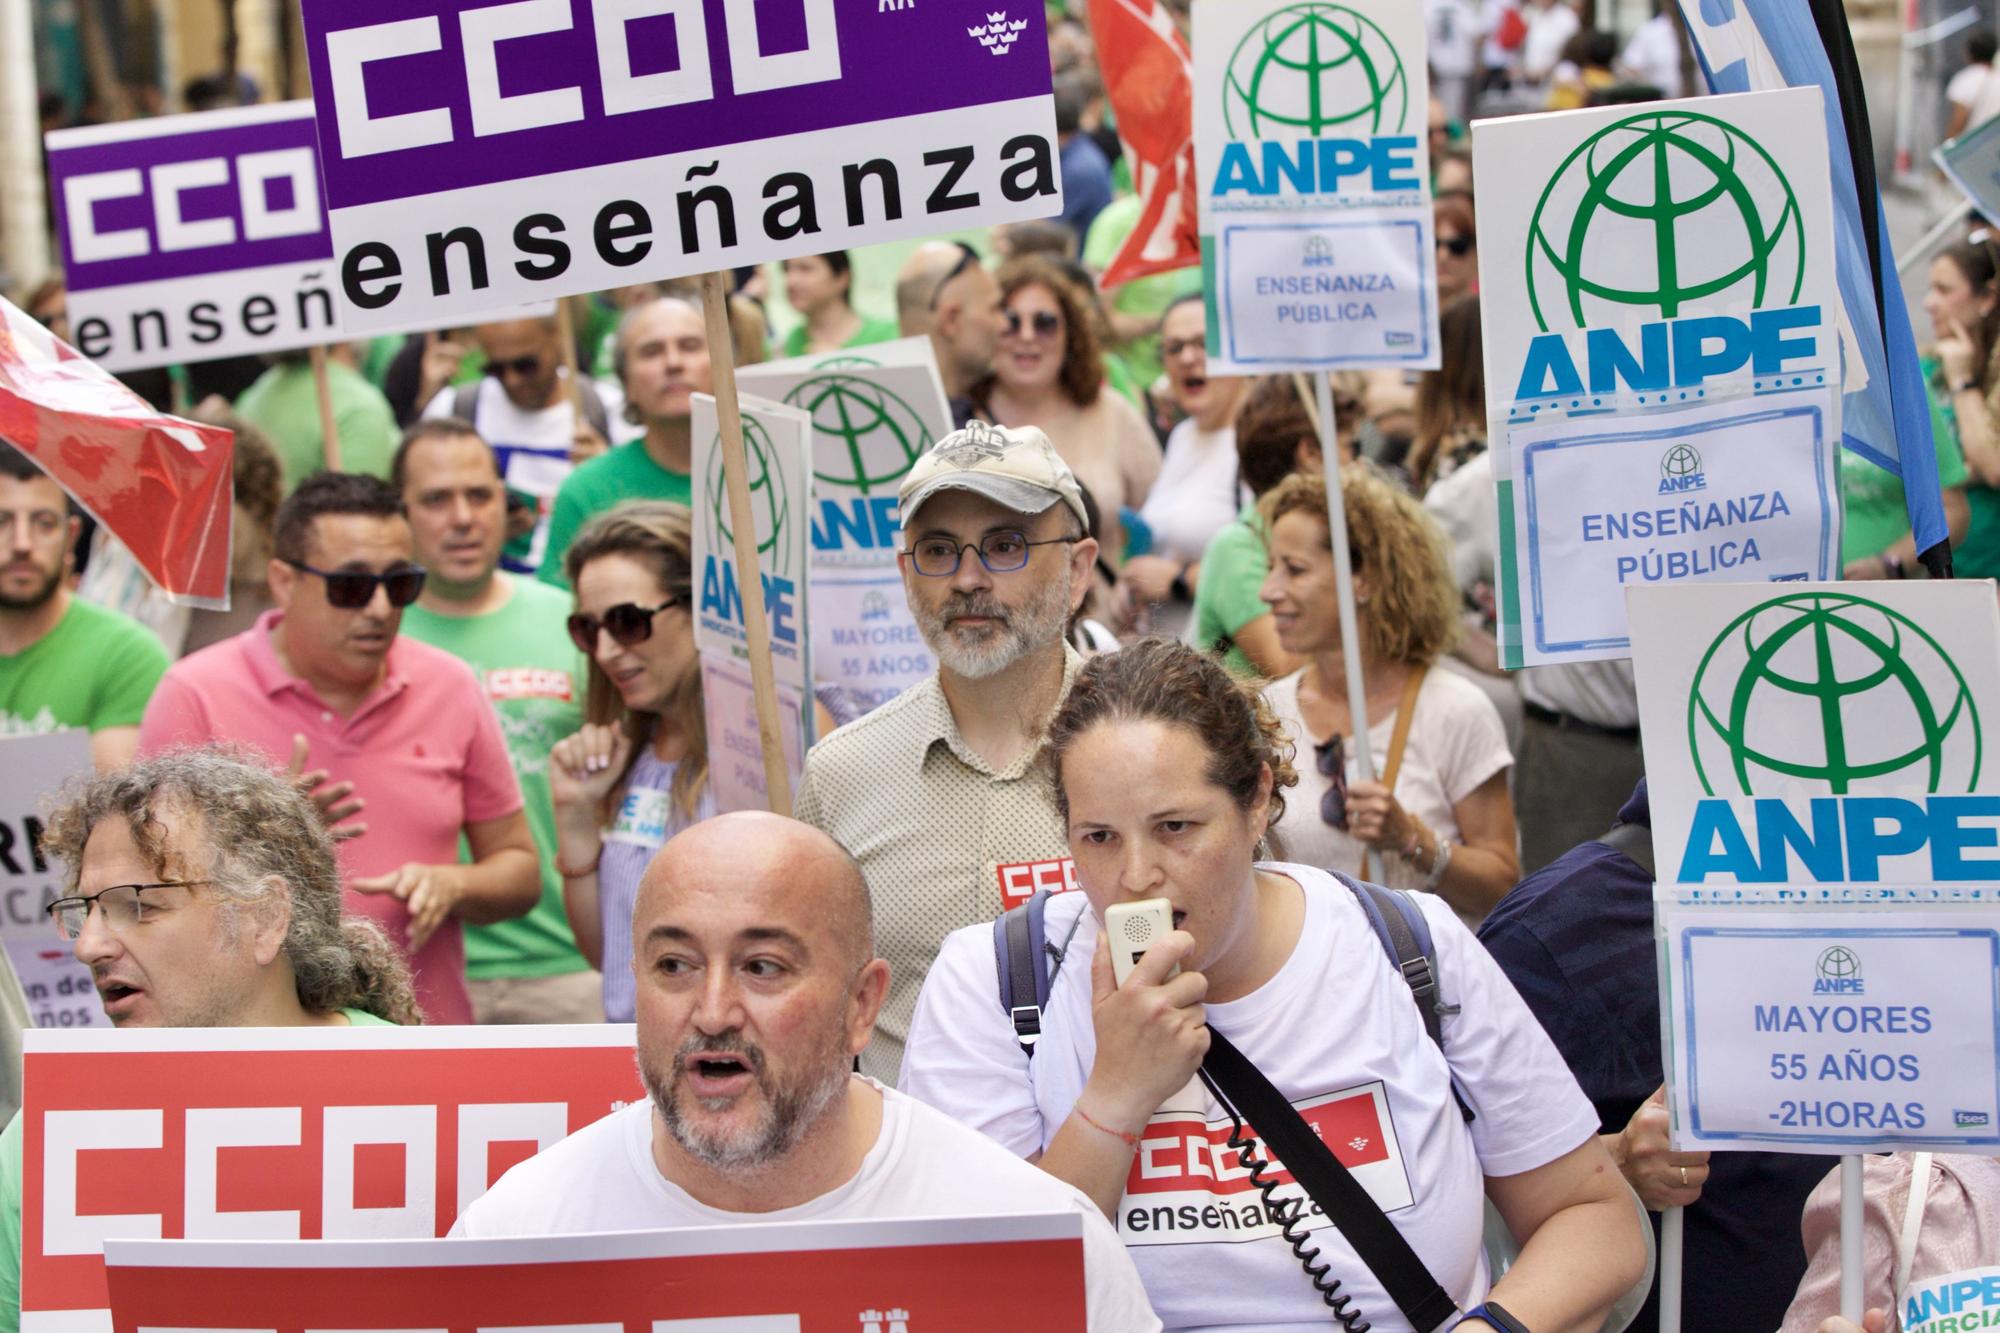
[1491, 1312]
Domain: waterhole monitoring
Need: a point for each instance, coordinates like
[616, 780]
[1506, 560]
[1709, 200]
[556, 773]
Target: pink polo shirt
[424, 751]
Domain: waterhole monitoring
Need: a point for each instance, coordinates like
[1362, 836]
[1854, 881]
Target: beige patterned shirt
[944, 840]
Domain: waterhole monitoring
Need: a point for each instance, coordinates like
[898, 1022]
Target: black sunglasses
[627, 623]
[1046, 323]
[352, 589]
[523, 366]
[1459, 246]
[1331, 759]
[967, 257]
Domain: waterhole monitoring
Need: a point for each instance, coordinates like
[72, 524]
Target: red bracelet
[1131, 1140]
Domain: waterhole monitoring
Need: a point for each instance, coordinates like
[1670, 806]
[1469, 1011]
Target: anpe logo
[1882, 696]
[1680, 470]
[1644, 186]
[768, 501]
[880, 434]
[1838, 972]
[1311, 69]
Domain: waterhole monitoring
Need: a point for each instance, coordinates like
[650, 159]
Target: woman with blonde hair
[1438, 815]
[636, 773]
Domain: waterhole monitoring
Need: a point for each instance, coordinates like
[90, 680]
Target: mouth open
[117, 997]
[1180, 918]
[716, 1073]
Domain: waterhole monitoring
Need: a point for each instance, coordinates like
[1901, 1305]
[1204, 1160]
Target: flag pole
[1850, 1238]
[1343, 578]
[743, 525]
[323, 390]
[1672, 1222]
[566, 335]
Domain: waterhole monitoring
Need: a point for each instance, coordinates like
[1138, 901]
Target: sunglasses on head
[1331, 759]
[967, 257]
[522, 366]
[352, 589]
[627, 623]
[1458, 246]
[1046, 323]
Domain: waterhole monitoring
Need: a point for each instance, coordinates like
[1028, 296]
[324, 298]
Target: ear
[1306, 456]
[864, 1004]
[283, 581]
[1082, 560]
[1260, 808]
[274, 921]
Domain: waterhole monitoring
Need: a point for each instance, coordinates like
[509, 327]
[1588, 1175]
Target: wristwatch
[1491, 1312]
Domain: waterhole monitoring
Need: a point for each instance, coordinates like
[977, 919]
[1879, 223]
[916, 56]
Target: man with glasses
[324, 680]
[522, 408]
[64, 662]
[946, 293]
[934, 792]
[509, 630]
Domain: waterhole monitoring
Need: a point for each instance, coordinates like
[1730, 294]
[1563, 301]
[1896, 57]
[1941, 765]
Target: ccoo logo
[1310, 69]
[768, 502]
[876, 435]
[1824, 691]
[1607, 236]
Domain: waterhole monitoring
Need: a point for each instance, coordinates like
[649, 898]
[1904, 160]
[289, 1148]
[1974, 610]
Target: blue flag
[1757, 45]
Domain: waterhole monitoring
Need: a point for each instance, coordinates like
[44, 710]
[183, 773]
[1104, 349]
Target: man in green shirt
[510, 631]
[228, 915]
[63, 661]
[284, 405]
[662, 360]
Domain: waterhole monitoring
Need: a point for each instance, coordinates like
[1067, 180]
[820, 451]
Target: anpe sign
[274, 1133]
[1669, 361]
[1972, 160]
[478, 153]
[934, 1275]
[1314, 184]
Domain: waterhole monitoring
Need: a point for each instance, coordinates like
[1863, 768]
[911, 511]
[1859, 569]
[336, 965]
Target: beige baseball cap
[1013, 466]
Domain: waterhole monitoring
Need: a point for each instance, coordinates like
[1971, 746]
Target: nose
[971, 574]
[95, 941]
[379, 606]
[719, 1005]
[1138, 870]
[607, 648]
[1268, 591]
[461, 511]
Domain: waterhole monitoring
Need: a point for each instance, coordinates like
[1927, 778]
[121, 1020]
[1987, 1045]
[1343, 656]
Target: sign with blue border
[1972, 161]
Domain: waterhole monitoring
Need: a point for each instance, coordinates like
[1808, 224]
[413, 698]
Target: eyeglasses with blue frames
[1000, 552]
[120, 906]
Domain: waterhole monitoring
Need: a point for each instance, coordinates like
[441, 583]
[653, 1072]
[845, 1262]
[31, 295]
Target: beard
[790, 1109]
[30, 600]
[1020, 632]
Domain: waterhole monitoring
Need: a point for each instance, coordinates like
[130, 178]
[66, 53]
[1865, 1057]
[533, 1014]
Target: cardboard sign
[1972, 160]
[874, 413]
[59, 991]
[277, 1133]
[934, 1275]
[1314, 192]
[477, 154]
[1661, 338]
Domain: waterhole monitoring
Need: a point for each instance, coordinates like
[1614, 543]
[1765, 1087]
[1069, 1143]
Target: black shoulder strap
[1245, 1090]
[1636, 842]
[465, 401]
[1019, 960]
[1390, 912]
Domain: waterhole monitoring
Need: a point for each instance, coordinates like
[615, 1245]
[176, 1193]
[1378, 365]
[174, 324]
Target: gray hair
[263, 839]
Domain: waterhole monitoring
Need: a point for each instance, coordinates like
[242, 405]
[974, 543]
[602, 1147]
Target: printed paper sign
[478, 154]
[282, 1133]
[1832, 1020]
[1955, 1303]
[735, 746]
[934, 1275]
[874, 413]
[1972, 160]
[58, 988]
[1665, 268]
[1820, 733]
[1314, 193]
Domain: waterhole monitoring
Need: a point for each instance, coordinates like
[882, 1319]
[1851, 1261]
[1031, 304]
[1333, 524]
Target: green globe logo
[1838, 963]
[1308, 69]
[1680, 461]
[768, 502]
[867, 436]
[1879, 693]
[1660, 211]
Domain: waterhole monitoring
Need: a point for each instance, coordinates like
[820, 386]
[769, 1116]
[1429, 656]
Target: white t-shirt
[1456, 742]
[603, 1178]
[1549, 30]
[1653, 56]
[1195, 495]
[1338, 1033]
[532, 449]
[1453, 27]
[1977, 89]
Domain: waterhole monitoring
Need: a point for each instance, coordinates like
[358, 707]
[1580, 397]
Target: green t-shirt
[1225, 599]
[1873, 497]
[1978, 556]
[284, 405]
[95, 669]
[1149, 296]
[11, 1172]
[535, 678]
[872, 330]
[625, 473]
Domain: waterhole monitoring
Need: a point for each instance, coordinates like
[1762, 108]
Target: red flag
[161, 485]
[1149, 76]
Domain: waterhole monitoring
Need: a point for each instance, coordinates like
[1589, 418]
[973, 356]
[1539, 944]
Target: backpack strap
[1405, 935]
[465, 401]
[1027, 964]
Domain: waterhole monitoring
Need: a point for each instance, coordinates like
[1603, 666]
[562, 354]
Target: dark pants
[1569, 782]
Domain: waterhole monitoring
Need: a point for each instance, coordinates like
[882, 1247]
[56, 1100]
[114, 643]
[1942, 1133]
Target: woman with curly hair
[1048, 371]
[1438, 815]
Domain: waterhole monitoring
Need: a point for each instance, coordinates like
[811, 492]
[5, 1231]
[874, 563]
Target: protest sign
[58, 988]
[1315, 208]
[282, 1133]
[874, 413]
[933, 1275]
[477, 154]
[777, 448]
[1661, 345]
[1972, 161]
[1953, 1302]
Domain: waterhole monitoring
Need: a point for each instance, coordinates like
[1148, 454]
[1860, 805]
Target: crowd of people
[445, 759]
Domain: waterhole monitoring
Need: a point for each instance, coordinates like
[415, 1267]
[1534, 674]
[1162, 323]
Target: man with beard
[934, 792]
[63, 661]
[758, 982]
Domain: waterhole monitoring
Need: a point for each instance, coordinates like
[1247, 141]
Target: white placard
[32, 769]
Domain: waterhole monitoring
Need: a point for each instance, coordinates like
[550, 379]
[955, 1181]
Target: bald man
[758, 984]
[945, 291]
